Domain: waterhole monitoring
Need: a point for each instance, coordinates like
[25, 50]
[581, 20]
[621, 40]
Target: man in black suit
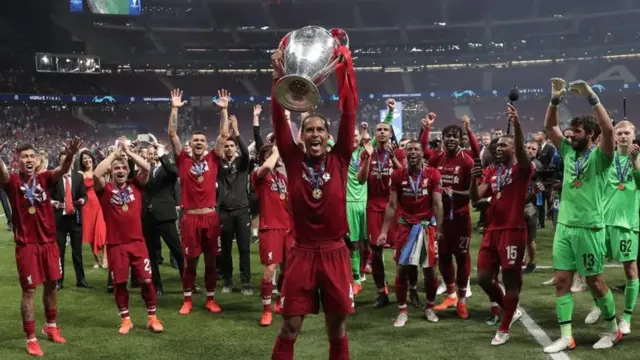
[545, 156]
[68, 195]
[160, 211]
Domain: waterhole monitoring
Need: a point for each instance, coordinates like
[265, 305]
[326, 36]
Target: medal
[381, 163]
[379, 176]
[32, 210]
[579, 167]
[415, 185]
[498, 195]
[125, 207]
[621, 172]
[501, 179]
[621, 186]
[317, 194]
[124, 197]
[200, 179]
[282, 196]
[31, 194]
[199, 170]
[577, 183]
[279, 185]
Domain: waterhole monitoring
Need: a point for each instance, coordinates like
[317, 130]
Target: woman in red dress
[94, 230]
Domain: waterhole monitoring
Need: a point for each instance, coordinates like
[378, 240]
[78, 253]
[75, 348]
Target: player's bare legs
[49, 300]
[27, 311]
[402, 284]
[512, 279]
[210, 281]
[150, 297]
[188, 283]
[283, 348]
[266, 289]
[336, 326]
[431, 288]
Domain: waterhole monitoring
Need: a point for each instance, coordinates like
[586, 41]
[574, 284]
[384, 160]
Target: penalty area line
[540, 335]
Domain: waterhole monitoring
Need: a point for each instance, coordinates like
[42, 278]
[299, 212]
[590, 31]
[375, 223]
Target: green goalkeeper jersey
[355, 190]
[620, 194]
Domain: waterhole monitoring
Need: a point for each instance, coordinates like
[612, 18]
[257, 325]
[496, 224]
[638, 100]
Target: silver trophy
[309, 55]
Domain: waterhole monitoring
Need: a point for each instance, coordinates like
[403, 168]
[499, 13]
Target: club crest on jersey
[321, 180]
[407, 190]
[124, 196]
[449, 175]
[39, 194]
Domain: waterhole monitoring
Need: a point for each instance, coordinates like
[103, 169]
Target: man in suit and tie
[545, 156]
[68, 195]
[159, 213]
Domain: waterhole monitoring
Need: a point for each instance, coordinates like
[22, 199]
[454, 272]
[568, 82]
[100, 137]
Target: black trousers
[168, 230]
[5, 207]
[235, 224]
[68, 225]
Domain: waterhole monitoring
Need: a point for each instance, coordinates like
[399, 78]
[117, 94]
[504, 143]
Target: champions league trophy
[309, 55]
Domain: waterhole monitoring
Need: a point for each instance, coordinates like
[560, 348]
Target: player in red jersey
[505, 236]
[376, 166]
[454, 164]
[275, 238]
[200, 225]
[319, 265]
[415, 197]
[34, 230]
[121, 202]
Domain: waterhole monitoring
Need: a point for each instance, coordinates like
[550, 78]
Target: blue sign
[76, 6]
[134, 7]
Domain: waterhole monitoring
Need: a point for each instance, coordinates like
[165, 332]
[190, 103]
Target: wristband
[555, 101]
[593, 99]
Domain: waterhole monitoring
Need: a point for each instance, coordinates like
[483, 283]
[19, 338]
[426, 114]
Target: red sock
[462, 276]
[377, 267]
[283, 349]
[266, 288]
[339, 349]
[401, 293]
[29, 328]
[446, 270]
[210, 274]
[280, 281]
[188, 282]
[50, 315]
[121, 294]
[496, 295]
[150, 297]
[510, 304]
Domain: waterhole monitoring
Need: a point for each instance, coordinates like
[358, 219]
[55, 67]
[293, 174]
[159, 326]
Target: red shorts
[318, 274]
[133, 255]
[200, 234]
[274, 245]
[457, 236]
[38, 263]
[502, 248]
[375, 219]
[402, 235]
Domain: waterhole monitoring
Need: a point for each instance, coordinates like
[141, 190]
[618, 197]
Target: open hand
[176, 98]
[558, 88]
[581, 88]
[223, 99]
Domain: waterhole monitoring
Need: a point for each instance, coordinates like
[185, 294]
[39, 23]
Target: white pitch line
[547, 267]
[541, 337]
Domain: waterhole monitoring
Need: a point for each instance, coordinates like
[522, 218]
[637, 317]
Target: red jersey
[379, 178]
[28, 228]
[122, 211]
[197, 180]
[415, 202]
[271, 191]
[508, 191]
[456, 175]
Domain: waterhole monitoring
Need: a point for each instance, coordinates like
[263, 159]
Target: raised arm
[143, 166]
[281, 128]
[518, 141]
[172, 129]
[72, 149]
[427, 123]
[388, 119]
[633, 156]
[607, 142]
[551, 118]
[348, 92]
[223, 103]
[473, 141]
[244, 150]
[269, 164]
[5, 175]
[257, 110]
[363, 172]
[477, 192]
[102, 169]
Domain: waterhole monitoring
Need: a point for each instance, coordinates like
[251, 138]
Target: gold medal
[282, 196]
[621, 186]
[32, 210]
[317, 194]
[498, 195]
[201, 179]
[577, 183]
[125, 207]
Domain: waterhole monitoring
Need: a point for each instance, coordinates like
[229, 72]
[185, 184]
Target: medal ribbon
[622, 173]
[278, 182]
[355, 162]
[500, 179]
[382, 164]
[31, 191]
[580, 162]
[123, 195]
[415, 186]
[450, 196]
[199, 168]
[316, 177]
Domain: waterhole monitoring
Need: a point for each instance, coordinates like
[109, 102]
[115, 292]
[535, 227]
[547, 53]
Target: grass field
[89, 321]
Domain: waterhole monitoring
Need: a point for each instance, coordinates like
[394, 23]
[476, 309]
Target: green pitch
[89, 321]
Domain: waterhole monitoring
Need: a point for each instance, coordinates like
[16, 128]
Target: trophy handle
[340, 35]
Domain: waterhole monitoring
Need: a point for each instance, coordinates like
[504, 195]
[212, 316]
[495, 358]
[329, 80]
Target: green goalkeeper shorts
[622, 244]
[579, 249]
[357, 218]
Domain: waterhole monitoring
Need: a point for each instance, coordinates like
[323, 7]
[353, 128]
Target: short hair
[454, 129]
[263, 151]
[198, 133]
[233, 140]
[121, 159]
[625, 123]
[589, 124]
[25, 147]
[414, 141]
[544, 133]
[316, 115]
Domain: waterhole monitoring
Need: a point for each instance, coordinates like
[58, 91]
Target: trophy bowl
[309, 55]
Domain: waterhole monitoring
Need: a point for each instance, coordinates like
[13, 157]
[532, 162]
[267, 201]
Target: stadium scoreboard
[107, 7]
